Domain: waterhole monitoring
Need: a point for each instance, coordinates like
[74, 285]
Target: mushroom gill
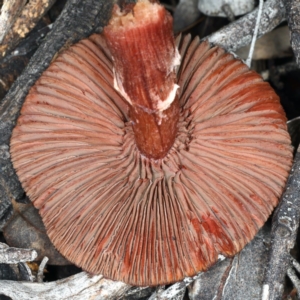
[111, 209]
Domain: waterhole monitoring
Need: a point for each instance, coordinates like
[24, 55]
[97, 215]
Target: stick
[293, 17]
[239, 33]
[249, 59]
[32, 12]
[79, 286]
[10, 11]
[40, 274]
[11, 255]
[284, 231]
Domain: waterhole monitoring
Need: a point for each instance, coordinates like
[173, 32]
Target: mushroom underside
[112, 211]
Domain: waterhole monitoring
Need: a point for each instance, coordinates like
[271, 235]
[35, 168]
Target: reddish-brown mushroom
[146, 182]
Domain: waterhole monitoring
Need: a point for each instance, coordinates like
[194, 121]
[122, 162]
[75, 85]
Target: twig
[140, 292]
[293, 17]
[284, 231]
[296, 265]
[239, 33]
[226, 8]
[32, 12]
[77, 287]
[11, 255]
[26, 272]
[40, 274]
[158, 292]
[176, 290]
[10, 11]
[295, 280]
[249, 59]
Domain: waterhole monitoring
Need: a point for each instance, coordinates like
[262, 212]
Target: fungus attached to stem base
[113, 205]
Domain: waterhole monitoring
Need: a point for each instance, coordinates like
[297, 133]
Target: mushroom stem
[142, 45]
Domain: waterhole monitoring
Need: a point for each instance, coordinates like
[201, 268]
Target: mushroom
[145, 169]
